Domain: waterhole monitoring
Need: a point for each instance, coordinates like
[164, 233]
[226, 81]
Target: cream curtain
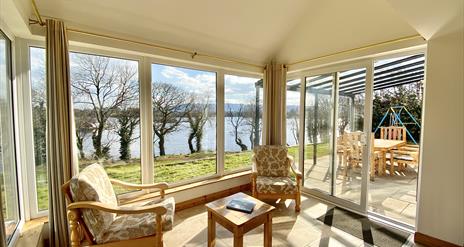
[60, 130]
[274, 112]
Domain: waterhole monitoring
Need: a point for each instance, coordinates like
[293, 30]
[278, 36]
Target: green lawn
[170, 168]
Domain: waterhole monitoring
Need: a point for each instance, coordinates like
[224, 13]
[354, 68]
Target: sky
[237, 89]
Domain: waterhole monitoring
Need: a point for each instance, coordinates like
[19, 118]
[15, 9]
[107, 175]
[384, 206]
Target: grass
[170, 168]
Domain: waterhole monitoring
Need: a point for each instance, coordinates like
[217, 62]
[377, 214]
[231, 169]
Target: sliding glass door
[335, 146]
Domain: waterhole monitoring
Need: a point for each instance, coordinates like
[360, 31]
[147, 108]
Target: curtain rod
[193, 54]
[358, 49]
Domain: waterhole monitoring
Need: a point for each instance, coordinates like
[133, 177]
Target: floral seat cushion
[93, 184]
[131, 226]
[271, 160]
[281, 185]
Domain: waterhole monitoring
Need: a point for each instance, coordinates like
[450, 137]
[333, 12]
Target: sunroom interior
[170, 111]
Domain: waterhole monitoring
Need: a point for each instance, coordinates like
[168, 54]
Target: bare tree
[83, 129]
[295, 128]
[197, 118]
[128, 120]
[237, 119]
[103, 86]
[252, 123]
[171, 105]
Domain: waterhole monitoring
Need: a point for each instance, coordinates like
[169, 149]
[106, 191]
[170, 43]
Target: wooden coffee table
[237, 222]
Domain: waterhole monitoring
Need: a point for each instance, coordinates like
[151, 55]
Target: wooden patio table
[384, 146]
[237, 222]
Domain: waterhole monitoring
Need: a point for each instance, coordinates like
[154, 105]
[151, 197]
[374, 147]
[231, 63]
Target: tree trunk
[190, 143]
[198, 138]
[161, 145]
[96, 140]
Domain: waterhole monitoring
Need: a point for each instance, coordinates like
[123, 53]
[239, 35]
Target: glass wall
[318, 124]
[349, 134]
[108, 111]
[293, 118]
[107, 114]
[8, 176]
[184, 123]
[243, 97]
[39, 122]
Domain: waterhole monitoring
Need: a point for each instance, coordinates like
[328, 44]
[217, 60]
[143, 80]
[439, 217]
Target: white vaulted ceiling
[243, 29]
[252, 30]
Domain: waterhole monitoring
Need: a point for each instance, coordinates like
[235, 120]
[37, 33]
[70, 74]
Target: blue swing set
[395, 119]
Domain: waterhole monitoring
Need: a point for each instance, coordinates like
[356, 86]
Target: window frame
[145, 62]
[11, 59]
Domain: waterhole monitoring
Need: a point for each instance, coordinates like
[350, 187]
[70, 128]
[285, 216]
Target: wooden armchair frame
[77, 225]
[296, 196]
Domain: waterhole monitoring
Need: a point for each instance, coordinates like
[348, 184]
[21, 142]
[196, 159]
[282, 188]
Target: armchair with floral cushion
[95, 218]
[271, 178]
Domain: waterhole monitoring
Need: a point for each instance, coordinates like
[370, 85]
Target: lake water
[176, 142]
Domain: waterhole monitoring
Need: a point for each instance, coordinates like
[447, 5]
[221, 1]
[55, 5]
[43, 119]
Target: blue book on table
[241, 205]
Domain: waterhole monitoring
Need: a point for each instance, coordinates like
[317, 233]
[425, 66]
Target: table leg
[211, 230]
[268, 231]
[238, 238]
[384, 162]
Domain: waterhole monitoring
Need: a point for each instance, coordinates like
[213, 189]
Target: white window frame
[146, 115]
[16, 129]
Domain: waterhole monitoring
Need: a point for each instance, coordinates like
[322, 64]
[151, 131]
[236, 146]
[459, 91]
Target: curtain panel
[274, 109]
[60, 129]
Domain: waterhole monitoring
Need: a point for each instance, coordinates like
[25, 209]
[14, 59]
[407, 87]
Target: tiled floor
[391, 196]
[288, 228]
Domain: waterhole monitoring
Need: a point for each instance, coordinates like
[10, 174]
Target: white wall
[441, 185]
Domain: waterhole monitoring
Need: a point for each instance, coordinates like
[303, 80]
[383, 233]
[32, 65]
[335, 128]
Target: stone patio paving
[391, 196]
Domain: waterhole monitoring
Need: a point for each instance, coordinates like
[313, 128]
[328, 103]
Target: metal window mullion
[368, 109]
[220, 123]
[146, 121]
[334, 131]
[302, 125]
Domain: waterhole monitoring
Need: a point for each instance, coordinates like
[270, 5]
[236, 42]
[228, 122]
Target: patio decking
[391, 196]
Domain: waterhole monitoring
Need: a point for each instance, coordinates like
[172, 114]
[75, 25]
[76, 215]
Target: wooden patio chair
[95, 218]
[355, 153]
[270, 178]
[393, 133]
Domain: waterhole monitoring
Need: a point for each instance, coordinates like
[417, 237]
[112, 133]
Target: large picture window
[8, 176]
[184, 123]
[107, 114]
[112, 118]
[242, 120]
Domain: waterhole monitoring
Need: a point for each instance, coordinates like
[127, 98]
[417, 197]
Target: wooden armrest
[294, 168]
[160, 186]
[117, 209]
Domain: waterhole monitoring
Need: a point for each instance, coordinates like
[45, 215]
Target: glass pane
[184, 123]
[242, 122]
[39, 121]
[318, 124]
[398, 95]
[293, 117]
[8, 177]
[107, 114]
[349, 134]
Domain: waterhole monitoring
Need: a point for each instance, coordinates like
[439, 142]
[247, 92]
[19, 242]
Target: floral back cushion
[271, 160]
[93, 184]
